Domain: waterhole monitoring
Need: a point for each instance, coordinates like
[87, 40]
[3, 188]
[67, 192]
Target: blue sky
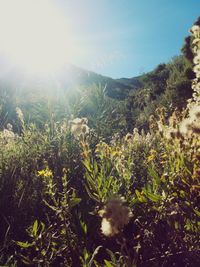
[124, 38]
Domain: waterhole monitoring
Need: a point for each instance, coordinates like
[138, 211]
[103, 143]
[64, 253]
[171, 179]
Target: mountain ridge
[69, 76]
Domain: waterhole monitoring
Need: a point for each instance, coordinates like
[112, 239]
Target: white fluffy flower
[115, 217]
[194, 104]
[7, 136]
[20, 114]
[197, 70]
[184, 126]
[194, 112]
[79, 127]
[108, 229]
[196, 41]
[196, 59]
[195, 30]
[9, 126]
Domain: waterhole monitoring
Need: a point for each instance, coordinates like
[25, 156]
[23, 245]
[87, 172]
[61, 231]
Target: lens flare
[34, 35]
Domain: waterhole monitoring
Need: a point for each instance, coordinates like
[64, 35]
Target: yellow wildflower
[152, 155]
[45, 173]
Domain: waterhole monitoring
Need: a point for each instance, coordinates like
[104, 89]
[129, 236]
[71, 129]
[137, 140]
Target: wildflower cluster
[7, 136]
[138, 137]
[45, 173]
[191, 124]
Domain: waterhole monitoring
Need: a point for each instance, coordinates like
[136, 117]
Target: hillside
[67, 78]
[76, 91]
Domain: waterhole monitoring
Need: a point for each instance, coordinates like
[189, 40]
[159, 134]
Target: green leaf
[50, 206]
[137, 193]
[35, 228]
[87, 165]
[176, 225]
[155, 178]
[107, 263]
[153, 197]
[92, 195]
[74, 202]
[25, 260]
[95, 167]
[84, 227]
[133, 201]
[86, 255]
[42, 226]
[90, 181]
[197, 212]
[24, 245]
[140, 197]
[93, 255]
[112, 255]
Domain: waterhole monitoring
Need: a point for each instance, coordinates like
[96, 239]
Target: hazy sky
[123, 38]
[117, 38]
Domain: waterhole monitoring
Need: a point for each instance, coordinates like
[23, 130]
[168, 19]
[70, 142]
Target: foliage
[81, 192]
[169, 85]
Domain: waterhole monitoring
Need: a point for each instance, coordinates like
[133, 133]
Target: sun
[34, 35]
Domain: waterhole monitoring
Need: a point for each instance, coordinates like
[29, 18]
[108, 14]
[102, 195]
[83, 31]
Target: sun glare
[34, 35]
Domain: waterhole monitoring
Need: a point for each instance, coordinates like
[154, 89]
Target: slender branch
[172, 254]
